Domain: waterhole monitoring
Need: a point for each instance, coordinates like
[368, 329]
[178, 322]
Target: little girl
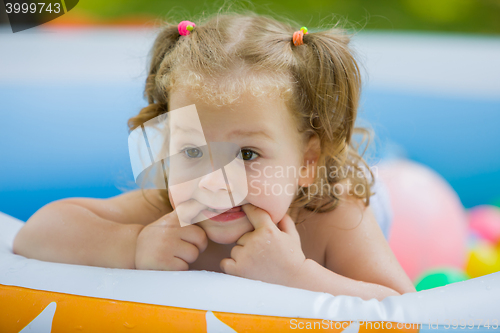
[289, 99]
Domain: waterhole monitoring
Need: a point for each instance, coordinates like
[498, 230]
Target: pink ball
[484, 220]
[430, 224]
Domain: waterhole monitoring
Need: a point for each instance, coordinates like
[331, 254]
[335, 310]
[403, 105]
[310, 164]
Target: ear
[307, 171]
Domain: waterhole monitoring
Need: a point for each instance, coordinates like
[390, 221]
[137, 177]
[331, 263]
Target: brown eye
[193, 152]
[248, 155]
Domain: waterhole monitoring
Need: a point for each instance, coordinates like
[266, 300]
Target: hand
[165, 245]
[271, 253]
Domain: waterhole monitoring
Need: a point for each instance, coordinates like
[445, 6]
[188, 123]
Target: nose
[213, 181]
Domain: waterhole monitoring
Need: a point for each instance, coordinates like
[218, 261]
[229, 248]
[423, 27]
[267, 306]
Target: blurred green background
[464, 16]
[460, 16]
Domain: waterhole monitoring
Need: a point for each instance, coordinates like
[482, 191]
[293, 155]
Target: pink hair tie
[185, 27]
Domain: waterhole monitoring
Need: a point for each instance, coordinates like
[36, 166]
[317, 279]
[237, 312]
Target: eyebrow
[186, 129]
[239, 133]
[250, 133]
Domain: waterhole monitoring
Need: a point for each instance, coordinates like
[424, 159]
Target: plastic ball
[483, 259]
[439, 277]
[485, 221]
[429, 227]
[496, 202]
[472, 239]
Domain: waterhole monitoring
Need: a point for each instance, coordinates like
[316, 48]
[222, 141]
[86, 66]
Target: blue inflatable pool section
[68, 138]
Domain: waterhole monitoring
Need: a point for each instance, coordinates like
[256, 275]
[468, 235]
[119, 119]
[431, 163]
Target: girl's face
[272, 153]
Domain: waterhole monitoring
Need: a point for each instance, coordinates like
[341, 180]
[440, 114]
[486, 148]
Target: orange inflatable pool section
[72, 313]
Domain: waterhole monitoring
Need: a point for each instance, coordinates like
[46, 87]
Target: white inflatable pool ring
[38, 296]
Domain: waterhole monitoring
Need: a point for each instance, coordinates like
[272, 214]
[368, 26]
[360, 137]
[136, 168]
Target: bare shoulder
[347, 214]
[318, 230]
[134, 207]
[355, 245]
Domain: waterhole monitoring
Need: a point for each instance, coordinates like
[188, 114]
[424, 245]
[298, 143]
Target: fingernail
[246, 206]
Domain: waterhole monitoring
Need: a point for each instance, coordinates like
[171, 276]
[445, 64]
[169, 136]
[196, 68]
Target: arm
[359, 261]
[135, 207]
[95, 232]
[315, 277]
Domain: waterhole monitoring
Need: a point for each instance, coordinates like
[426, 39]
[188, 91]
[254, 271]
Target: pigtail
[329, 76]
[157, 99]
[334, 86]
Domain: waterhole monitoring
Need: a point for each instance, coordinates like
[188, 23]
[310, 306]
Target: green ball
[496, 202]
[439, 277]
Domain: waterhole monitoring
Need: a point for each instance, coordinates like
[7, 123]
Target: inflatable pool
[38, 296]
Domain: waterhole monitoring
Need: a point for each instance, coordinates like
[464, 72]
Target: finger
[236, 251]
[188, 210]
[195, 235]
[186, 251]
[258, 217]
[228, 266]
[244, 239]
[287, 225]
[168, 220]
[177, 264]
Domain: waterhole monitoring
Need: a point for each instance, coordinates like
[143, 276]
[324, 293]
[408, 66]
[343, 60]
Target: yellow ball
[483, 259]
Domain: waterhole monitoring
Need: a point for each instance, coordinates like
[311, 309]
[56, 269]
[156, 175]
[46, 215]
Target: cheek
[182, 192]
[273, 191]
[275, 206]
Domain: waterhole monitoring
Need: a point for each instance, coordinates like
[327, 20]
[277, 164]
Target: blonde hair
[229, 52]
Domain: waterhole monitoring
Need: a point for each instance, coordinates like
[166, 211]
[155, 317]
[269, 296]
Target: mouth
[224, 210]
[223, 214]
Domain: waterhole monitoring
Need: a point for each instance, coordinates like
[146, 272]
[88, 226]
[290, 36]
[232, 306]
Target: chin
[225, 234]
[222, 239]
